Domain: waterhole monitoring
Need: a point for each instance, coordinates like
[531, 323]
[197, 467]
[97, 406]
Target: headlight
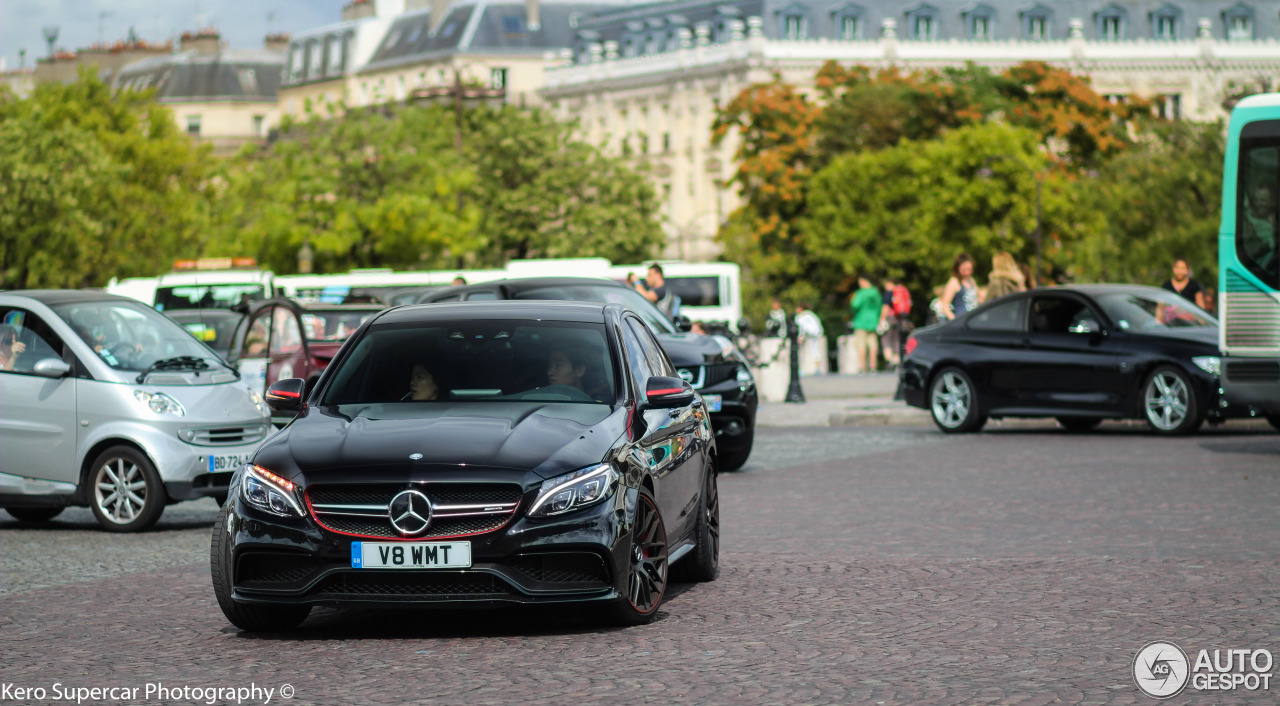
[159, 402]
[744, 375]
[269, 492]
[1211, 364]
[257, 401]
[572, 491]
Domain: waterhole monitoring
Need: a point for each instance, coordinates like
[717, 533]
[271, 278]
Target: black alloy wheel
[251, 618]
[1079, 424]
[647, 576]
[34, 514]
[734, 455]
[953, 400]
[703, 563]
[1169, 402]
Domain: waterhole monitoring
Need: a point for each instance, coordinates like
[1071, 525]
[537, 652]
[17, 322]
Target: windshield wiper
[182, 362]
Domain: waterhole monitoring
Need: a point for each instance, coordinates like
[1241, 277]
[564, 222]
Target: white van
[710, 292]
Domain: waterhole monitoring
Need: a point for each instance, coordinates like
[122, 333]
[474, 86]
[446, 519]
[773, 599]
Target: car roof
[54, 297]
[535, 282]
[586, 312]
[1104, 288]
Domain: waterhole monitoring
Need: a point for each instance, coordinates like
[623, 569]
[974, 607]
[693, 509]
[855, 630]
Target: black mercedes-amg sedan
[476, 454]
[715, 368]
[1080, 354]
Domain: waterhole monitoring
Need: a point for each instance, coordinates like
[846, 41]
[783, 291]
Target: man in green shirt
[866, 306]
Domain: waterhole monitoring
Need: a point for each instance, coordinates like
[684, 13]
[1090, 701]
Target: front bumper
[737, 415]
[1253, 383]
[581, 557]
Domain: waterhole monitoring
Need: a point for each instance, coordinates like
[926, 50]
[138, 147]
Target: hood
[693, 349]
[546, 438]
[228, 403]
[1206, 335]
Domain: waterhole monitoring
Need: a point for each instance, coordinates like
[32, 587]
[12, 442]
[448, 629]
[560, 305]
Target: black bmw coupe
[478, 454]
[1080, 354]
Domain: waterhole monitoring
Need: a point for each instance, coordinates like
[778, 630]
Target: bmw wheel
[125, 492]
[703, 563]
[1169, 403]
[647, 574]
[251, 618]
[954, 402]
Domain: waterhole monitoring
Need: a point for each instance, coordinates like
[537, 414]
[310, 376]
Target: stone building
[647, 79]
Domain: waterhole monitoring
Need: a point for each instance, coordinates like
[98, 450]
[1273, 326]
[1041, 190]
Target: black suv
[711, 364]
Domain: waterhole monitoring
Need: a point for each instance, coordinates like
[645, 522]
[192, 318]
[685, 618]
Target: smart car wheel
[1169, 402]
[954, 402]
[252, 618]
[125, 490]
[647, 573]
[34, 514]
[703, 563]
[1078, 424]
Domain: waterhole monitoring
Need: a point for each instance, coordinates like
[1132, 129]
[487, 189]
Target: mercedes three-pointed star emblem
[410, 513]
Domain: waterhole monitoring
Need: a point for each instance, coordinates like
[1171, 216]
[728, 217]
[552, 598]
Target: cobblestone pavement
[860, 565]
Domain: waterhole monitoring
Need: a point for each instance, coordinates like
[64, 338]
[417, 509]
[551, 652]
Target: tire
[1274, 420]
[703, 563]
[125, 492]
[734, 457]
[251, 618]
[34, 514]
[647, 572]
[954, 403]
[220, 498]
[1169, 403]
[1079, 424]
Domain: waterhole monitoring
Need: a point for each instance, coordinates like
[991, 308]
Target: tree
[546, 193]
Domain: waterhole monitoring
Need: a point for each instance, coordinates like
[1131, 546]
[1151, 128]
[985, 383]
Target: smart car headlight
[1211, 364]
[269, 492]
[257, 401]
[160, 403]
[575, 490]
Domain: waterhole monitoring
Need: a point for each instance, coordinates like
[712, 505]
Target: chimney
[277, 41]
[205, 42]
[358, 9]
[533, 15]
[439, 8]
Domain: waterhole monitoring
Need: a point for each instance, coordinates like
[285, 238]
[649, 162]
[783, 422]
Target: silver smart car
[107, 403]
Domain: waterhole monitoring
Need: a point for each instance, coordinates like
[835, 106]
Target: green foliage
[93, 185]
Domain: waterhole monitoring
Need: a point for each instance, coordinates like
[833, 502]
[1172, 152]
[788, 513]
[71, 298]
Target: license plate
[713, 402]
[410, 555]
[228, 463]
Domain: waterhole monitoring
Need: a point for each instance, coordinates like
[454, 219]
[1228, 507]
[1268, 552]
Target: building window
[248, 80]
[1037, 23]
[1239, 24]
[850, 28]
[1115, 98]
[793, 22]
[1169, 106]
[258, 122]
[1164, 23]
[193, 125]
[1038, 29]
[980, 22]
[793, 27]
[316, 60]
[512, 24]
[848, 22]
[295, 63]
[498, 79]
[651, 44]
[629, 47]
[1111, 24]
[922, 22]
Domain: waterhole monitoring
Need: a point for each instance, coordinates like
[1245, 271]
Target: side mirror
[663, 392]
[682, 323]
[51, 368]
[286, 395]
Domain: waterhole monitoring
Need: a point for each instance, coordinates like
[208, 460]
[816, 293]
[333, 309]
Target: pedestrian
[812, 343]
[1006, 276]
[961, 292]
[894, 318]
[867, 305]
[776, 325]
[1183, 284]
[459, 281]
[654, 288]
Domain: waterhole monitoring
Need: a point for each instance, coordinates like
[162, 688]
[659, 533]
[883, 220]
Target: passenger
[568, 366]
[10, 347]
[422, 385]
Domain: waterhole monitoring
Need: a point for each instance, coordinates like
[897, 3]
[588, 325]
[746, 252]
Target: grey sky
[243, 23]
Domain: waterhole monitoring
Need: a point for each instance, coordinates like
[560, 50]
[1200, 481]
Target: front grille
[458, 509]
[563, 568]
[265, 570]
[224, 436]
[1261, 371]
[396, 584]
[713, 374]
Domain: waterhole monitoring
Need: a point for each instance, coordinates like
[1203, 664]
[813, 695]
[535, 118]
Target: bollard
[794, 391]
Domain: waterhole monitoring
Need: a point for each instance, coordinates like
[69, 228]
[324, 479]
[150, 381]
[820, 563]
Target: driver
[422, 384]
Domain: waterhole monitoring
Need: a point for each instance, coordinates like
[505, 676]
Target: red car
[281, 339]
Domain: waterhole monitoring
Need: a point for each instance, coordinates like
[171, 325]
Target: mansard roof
[189, 77]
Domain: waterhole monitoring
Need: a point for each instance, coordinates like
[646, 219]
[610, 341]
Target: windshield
[605, 294]
[206, 296]
[485, 361]
[130, 336]
[1153, 311]
[333, 326]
